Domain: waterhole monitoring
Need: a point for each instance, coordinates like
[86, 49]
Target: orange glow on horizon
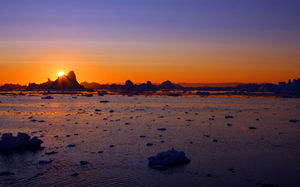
[189, 63]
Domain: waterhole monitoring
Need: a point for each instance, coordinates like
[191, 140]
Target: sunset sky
[110, 41]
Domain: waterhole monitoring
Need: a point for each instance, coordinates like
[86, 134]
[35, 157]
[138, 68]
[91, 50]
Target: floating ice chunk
[104, 101]
[83, 162]
[87, 95]
[74, 174]
[47, 97]
[21, 142]
[164, 160]
[51, 153]
[228, 117]
[293, 121]
[42, 162]
[232, 170]
[162, 129]
[149, 144]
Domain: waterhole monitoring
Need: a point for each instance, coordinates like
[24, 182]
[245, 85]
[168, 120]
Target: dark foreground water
[107, 136]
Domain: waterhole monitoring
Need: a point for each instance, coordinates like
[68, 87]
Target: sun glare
[61, 73]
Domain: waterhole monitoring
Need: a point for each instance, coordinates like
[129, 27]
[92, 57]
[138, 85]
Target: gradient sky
[106, 41]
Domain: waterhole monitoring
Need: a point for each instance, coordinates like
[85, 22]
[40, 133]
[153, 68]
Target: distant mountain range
[130, 86]
[69, 83]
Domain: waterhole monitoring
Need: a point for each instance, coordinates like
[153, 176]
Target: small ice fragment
[104, 101]
[228, 117]
[293, 121]
[47, 97]
[149, 144]
[74, 174]
[51, 153]
[231, 170]
[83, 162]
[162, 129]
[71, 145]
[42, 162]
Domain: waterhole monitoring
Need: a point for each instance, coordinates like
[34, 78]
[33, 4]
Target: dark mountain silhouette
[66, 82]
[12, 87]
[69, 83]
[147, 87]
[168, 85]
[92, 85]
[129, 85]
[43, 86]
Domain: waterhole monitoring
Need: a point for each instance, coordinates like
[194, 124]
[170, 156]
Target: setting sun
[61, 73]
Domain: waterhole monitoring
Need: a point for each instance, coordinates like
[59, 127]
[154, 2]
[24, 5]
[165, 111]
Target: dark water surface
[221, 154]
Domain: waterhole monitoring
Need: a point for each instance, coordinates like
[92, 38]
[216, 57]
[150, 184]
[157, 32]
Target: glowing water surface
[221, 155]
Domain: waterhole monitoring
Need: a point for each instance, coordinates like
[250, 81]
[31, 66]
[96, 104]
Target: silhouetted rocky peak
[66, 82]
[167, 85]
[71, 75]
[149, 83]
[129, 85]
[92, 85]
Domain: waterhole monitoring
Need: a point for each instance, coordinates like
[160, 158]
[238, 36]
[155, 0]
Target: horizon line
[155, 83]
